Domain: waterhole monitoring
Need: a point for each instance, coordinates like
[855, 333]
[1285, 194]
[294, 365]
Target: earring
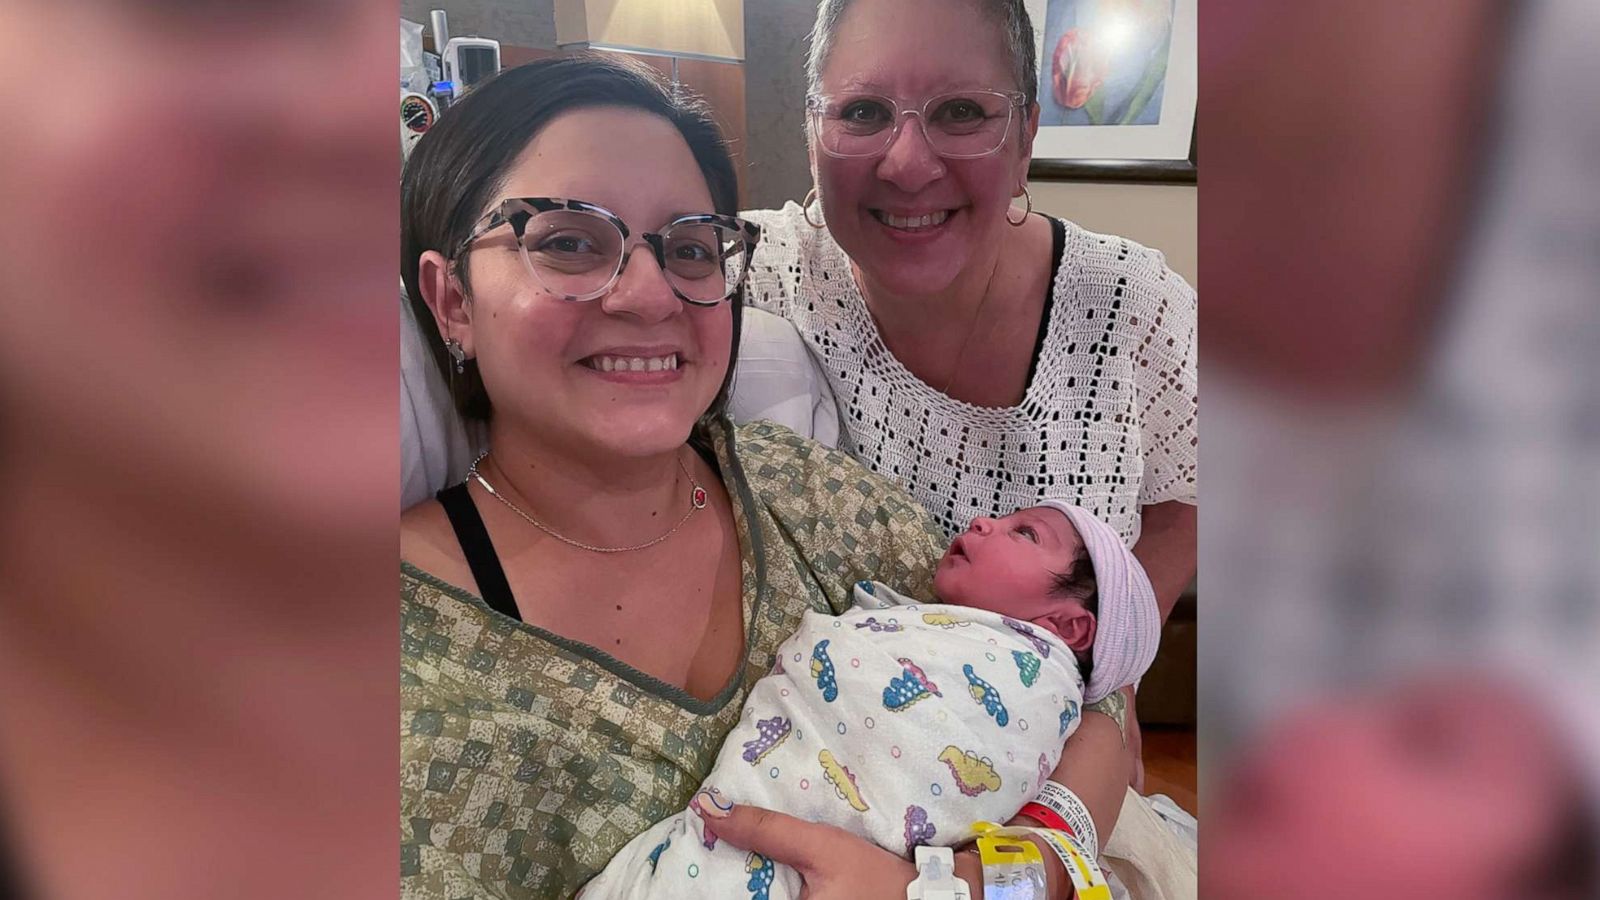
[453, 347]
[1028, 212]
[805, 208]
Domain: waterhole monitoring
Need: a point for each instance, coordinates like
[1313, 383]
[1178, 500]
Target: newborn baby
[904, 722]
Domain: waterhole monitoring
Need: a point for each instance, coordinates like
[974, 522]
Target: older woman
[983, 357]
[584, 615]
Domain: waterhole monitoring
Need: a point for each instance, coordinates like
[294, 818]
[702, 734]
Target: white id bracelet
[1088, 882]
[1058, 799]
[936, 877]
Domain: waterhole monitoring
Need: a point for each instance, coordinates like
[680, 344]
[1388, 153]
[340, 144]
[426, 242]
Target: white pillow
[435, 448]
[777, 379]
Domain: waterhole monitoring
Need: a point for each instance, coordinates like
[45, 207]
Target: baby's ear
[1073, 624]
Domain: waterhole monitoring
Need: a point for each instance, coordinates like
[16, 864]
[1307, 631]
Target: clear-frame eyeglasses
[959, 125]
[577, 250]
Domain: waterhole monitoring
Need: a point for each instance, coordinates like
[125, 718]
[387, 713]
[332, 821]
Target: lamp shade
[709, 29]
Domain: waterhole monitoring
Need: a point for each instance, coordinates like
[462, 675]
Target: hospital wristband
[1055, 797]
[1087, 880]
[1013, 868]
[1045, 816]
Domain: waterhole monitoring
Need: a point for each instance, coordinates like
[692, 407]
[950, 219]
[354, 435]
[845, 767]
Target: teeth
[667, 363]
[913, 222]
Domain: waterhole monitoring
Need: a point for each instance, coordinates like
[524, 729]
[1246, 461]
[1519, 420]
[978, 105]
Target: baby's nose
[982, 525]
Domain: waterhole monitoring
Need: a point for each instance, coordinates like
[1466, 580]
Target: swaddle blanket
[900, 721]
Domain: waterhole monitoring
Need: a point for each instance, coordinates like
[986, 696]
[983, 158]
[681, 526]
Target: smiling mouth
[912, 223]
[606, 363]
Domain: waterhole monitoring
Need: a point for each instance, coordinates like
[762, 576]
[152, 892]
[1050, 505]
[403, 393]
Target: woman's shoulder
[774, 455]
[840, 520]
[786, 219]
[428, 545]
[1099, 254]
[796, 268]
[787, 239]
[1134, 275]
[787, 470]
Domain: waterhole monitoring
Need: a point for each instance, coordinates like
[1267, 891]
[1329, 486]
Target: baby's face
[1008, 565]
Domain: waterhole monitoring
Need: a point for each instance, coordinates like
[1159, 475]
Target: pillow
[435, 448]
[779, 380]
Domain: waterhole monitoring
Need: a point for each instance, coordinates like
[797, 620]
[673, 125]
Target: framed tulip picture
[1117, 90]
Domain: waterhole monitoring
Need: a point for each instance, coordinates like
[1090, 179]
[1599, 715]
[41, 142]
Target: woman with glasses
[983, 356]
[583, 616]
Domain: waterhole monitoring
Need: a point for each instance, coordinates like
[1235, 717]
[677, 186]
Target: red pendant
[698, 497]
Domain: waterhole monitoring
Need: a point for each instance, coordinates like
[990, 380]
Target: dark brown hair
[1078, 583]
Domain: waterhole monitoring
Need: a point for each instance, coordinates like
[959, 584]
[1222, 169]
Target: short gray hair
[1011, 16]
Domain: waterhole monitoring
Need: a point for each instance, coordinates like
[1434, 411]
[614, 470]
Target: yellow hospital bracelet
[1013, 868]
[1081, 868]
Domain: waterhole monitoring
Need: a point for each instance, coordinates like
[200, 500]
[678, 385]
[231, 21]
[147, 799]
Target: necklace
[697, 501]
[961, 354]
[977, 316]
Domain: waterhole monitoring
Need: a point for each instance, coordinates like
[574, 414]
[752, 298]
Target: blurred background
[197, 443]
[1400, 519]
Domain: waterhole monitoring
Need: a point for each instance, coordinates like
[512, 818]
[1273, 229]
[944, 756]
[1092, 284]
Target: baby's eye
[1028, 533]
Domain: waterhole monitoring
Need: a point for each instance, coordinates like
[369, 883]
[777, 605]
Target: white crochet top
[1107, 421]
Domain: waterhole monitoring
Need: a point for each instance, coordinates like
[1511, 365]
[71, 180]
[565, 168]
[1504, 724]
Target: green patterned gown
[528, 760]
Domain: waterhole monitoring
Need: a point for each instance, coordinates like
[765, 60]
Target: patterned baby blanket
[900, 721]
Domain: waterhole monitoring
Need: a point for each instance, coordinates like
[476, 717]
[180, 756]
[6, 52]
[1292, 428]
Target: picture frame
[1117, 91]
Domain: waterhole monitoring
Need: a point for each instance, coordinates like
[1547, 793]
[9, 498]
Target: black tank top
[478, 549]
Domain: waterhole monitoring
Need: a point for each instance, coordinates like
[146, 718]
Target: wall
[1157, 215]
[721, 85]
[775, 96]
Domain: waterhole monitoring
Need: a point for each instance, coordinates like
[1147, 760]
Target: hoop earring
[805, 208]
[1026, 213]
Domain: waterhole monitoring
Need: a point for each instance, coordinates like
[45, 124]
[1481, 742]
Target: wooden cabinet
[1167, 695]
[720, 83]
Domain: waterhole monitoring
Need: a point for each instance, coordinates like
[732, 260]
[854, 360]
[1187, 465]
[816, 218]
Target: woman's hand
[835, 864]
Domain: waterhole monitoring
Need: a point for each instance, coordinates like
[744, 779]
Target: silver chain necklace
[955, 369]
[697, 501]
